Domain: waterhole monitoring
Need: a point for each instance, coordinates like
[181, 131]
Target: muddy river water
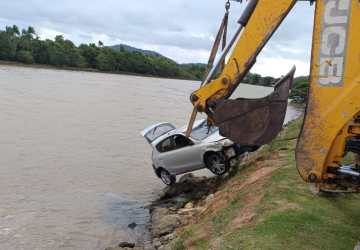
[74, 171]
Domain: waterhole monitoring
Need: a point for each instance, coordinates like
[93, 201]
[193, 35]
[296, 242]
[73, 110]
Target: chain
[227, 5]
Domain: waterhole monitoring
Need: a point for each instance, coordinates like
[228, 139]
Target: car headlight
[230, 152]
[226, 142]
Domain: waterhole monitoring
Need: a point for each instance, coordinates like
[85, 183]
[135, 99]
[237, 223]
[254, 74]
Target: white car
[174, 154]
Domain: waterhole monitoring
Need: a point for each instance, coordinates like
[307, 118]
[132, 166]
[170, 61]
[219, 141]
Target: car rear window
[158, 131]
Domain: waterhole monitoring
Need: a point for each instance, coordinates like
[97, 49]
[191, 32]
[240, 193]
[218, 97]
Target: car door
[165, 157]
[186, 155]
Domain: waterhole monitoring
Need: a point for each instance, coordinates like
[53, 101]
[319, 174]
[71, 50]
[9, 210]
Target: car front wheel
[216, 163]
[167, 178]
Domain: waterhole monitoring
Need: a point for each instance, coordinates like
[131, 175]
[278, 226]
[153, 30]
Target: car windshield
[203, 131]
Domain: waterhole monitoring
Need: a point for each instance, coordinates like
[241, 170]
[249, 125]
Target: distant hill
[189, 70]
[25, 47]
[129, 48]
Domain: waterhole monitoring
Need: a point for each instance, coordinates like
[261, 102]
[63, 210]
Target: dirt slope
[266, 205]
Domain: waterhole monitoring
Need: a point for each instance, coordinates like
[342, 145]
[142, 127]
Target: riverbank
[75, 141]
[88, 70]
[263, 204]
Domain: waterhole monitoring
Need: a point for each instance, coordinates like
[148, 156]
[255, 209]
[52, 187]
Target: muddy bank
[194, 197]
[264, 204]
[178, 206]
[86, 70]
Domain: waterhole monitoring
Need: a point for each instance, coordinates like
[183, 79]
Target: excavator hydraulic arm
[248, 122]
[332, 122]
[331, 127]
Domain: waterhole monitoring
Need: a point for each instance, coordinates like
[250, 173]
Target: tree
[300, 89]
[254, 79]
[25, 40]
[9, 40]
[25, 56]
[27, 47]
[28, 33]
[12, 31]
[40, 50]
[105, 62]
[89, 52]
[267, 81]
[31, 30]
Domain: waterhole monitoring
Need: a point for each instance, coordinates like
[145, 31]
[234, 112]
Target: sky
[183, 30]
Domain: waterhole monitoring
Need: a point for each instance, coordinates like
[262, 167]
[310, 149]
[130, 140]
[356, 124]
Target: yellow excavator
[331, 127]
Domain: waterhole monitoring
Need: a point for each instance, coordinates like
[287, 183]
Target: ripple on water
[121, 211]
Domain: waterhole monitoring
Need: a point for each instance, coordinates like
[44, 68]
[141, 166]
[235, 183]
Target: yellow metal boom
[332, 121]
[264, 21]
[332, 112]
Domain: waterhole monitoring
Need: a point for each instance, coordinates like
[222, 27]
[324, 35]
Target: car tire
[167, 178]
[216, 163]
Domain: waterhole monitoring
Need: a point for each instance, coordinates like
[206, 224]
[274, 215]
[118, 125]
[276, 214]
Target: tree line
[299, 90]
[25, 46]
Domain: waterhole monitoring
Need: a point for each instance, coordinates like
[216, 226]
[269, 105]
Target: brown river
[74, 169]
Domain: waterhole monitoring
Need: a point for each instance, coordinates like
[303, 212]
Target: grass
[288, 216]
[221, 220]
[178, 244]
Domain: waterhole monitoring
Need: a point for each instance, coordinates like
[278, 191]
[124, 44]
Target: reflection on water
[75, 171]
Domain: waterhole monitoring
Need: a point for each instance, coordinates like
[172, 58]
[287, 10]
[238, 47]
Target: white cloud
[45, 33]
[180, 29]
[182, 55]
[271, 66]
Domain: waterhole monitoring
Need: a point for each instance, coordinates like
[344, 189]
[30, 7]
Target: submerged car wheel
[215, 162]
[167, 178]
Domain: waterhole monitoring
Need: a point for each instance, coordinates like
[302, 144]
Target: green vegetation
[256, 79]
[26, 47]
[300, 89]
[285, 214]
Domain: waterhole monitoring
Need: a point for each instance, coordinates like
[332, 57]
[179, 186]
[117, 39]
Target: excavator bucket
[255, 122]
